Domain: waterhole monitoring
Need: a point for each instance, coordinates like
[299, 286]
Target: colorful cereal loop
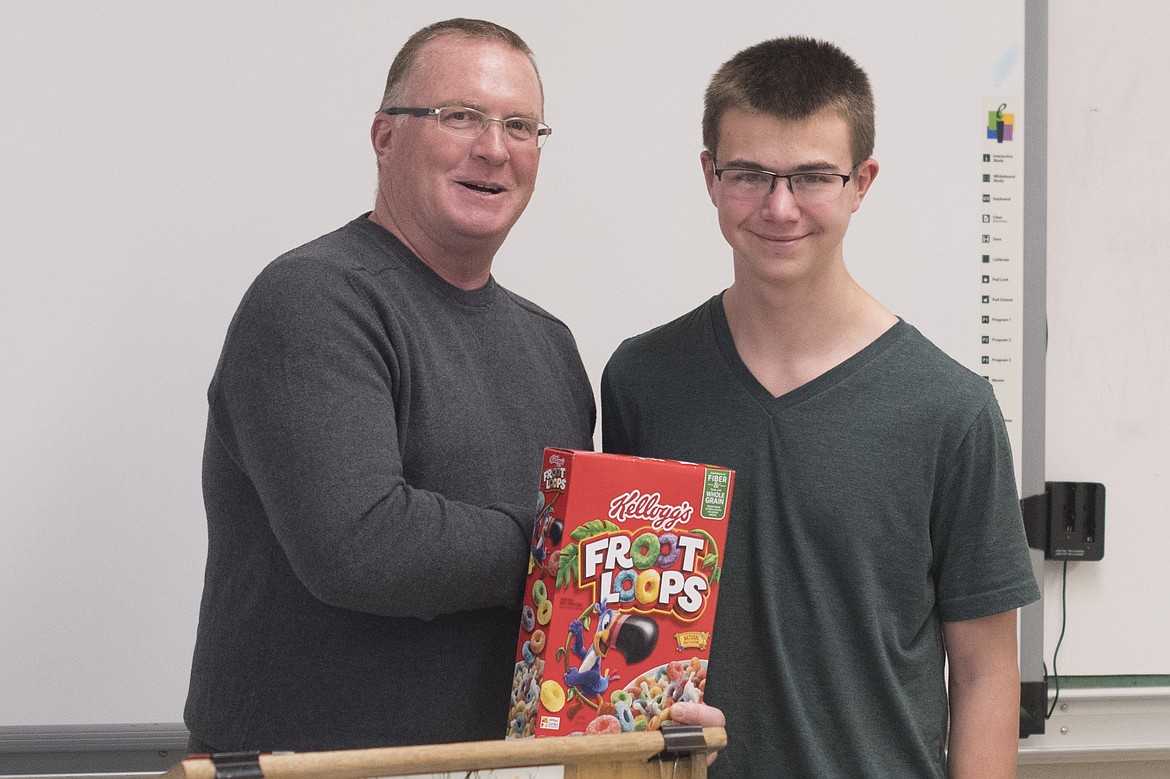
[552, 696]
[645, 550]
[544, 612]
[646, 588]
[625, 583]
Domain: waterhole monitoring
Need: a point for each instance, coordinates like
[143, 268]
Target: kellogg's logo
[634, 506]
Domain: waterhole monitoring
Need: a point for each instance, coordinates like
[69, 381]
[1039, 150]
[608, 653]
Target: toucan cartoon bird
[633, 635]
[545, 527]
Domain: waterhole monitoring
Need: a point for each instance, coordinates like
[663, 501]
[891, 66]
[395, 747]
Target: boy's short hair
[793, 78]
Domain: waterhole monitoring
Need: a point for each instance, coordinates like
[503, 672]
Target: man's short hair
[792, 79]
[476, 29]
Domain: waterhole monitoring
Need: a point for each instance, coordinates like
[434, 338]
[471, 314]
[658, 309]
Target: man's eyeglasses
[808, 188]
[469, 123]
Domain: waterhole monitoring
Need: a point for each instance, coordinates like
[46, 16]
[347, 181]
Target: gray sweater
[373, 447]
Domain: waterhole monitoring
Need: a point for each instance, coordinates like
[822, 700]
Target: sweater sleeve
[303, 403]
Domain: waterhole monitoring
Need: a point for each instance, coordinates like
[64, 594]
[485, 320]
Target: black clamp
[237, 765]
[1067, 520]
[681, 741]
[1035, 511]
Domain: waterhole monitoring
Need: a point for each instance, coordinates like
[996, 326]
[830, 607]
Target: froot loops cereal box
[620, 596]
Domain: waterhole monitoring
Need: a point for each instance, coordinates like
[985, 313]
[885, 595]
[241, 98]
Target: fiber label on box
[715, 493]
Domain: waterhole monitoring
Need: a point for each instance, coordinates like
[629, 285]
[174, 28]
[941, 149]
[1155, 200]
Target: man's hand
[698, 714]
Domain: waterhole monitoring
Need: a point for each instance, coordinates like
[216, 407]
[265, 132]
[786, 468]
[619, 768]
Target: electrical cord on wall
[1056, 651]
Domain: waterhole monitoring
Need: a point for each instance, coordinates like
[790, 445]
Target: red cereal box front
[620, 596]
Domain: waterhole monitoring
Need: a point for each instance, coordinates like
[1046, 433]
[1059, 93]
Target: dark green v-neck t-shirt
[871, 505]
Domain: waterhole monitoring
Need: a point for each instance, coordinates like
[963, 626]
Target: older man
[374, 436]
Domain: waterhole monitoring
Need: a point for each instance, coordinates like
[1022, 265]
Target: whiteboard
[1108, 372]
[155, 156]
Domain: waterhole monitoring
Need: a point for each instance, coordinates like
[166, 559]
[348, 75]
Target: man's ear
[380, 132]
[866, 172]
[707, 160]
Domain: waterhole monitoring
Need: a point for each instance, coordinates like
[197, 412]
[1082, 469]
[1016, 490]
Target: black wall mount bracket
[1067, 521]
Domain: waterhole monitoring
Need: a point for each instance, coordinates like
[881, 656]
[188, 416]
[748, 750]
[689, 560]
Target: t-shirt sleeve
[303, 402]
[981, 557]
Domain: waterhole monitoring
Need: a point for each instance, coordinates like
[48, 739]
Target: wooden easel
[681, 753]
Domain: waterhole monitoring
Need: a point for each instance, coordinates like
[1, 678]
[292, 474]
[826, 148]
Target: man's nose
[492, 144]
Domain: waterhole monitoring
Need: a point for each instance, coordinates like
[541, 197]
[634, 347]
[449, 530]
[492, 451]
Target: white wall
[154, 156]
[1109, 333]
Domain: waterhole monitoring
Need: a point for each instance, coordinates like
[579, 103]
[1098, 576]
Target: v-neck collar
[830, 378]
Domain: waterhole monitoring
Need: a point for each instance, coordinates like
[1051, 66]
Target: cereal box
[620, 596]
